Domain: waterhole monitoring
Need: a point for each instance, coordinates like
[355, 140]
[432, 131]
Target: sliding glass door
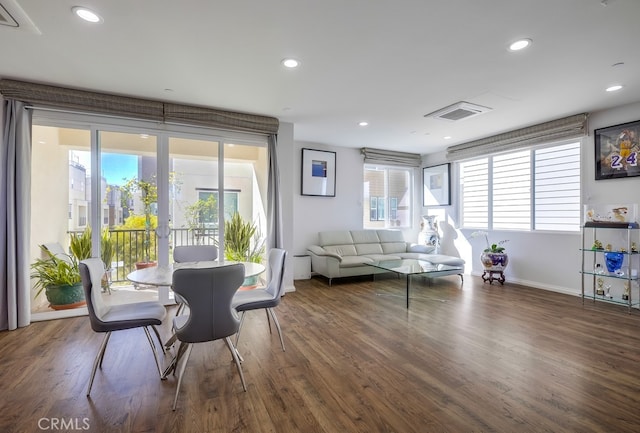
[140, 192]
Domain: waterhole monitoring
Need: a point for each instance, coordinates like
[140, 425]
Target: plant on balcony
[148, 196]
[80, 246]
[59, 278]
[242, 240]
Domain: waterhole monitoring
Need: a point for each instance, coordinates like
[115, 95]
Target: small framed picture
[318, 173]
[436, 181]
[617, 151]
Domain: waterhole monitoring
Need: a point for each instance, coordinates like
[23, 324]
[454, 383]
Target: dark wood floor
[476, 358]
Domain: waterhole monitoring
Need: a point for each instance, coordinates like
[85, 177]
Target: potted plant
[60, 279]
[80, 247]
[493, 257]
[148, 196]
[243, 243]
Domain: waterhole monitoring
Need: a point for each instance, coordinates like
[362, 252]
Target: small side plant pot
[65, 297]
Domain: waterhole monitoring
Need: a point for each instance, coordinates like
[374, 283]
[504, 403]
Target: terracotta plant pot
[142, 265]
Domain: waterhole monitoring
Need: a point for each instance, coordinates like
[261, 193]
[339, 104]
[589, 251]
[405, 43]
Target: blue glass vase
[613, 261]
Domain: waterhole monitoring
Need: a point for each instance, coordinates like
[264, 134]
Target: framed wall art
[318, 173]
[617, 151]
[436, 181]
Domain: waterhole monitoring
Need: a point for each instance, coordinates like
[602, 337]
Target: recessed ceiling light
[290, 63]
[363, 123]
[520, 44]
[86, 14]
[448, 137]
[614, 88]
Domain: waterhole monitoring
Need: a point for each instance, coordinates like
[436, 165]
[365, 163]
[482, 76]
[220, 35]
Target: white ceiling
[388, 62]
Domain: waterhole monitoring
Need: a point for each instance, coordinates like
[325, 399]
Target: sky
[115, 166]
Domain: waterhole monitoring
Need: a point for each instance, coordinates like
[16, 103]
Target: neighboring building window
[209, 215]
[376, 208]
[536, 189]
[388, 196]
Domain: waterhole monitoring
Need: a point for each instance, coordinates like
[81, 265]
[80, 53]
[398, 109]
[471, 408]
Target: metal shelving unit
[611, 286]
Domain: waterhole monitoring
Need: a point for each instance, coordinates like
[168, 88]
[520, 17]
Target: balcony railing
[128, 246]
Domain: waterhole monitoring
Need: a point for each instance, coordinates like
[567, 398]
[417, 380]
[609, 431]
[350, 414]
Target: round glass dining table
[163, 275]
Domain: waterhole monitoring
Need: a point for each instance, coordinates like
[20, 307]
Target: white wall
[547, 260]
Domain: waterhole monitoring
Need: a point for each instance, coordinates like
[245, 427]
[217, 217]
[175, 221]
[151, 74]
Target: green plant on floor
[59, 278]
[242, 240]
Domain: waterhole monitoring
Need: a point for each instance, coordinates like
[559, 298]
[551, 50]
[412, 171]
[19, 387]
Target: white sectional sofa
[345, 253]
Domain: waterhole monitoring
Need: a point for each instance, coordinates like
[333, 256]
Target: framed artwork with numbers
[617, 151]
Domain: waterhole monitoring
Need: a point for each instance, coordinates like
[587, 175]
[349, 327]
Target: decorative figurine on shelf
[625, 294]
[608, 247]
[598, 269]
[608, 291]
[600, 289]
[597, 245]
[634, 247]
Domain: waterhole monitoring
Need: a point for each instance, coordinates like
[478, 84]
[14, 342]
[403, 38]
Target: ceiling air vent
[459, 111]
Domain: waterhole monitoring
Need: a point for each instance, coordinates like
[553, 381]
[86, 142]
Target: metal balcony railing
[129, 248]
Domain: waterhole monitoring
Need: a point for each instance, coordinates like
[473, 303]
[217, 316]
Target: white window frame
[571, 221]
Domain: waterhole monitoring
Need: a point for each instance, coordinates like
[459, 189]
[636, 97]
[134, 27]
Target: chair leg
[234, 353]
[239, 327]
[104, 348]
[275, 320]
[182, 367]
[266, 311]
[156, 356]
[98, 361]
[155, 330]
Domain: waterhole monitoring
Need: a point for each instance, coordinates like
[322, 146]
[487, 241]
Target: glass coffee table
[409, 267]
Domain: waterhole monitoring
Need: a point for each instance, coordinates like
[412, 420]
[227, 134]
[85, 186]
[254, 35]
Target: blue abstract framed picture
[318, 173]
[436, 181]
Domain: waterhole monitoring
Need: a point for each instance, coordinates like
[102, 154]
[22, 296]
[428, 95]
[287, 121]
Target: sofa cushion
[394, 236]
[364, 249]
[342, 250]
[354, 261]
[365, 237]
[382, 257]
[341, 237]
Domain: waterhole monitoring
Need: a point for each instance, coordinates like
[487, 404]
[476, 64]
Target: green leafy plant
[242, 240]
[80, 245]
[52, 271]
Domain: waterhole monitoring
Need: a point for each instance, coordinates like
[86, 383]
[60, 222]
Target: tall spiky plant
[242, 240]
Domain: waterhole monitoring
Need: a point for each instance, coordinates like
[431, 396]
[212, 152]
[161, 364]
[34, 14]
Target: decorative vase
[65, 297]
[494, 261]
[429, 232]
[613, 260]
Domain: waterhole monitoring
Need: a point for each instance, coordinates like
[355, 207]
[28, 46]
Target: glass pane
[60, 189]
[130, 199]
[193, 200]
[245, 202]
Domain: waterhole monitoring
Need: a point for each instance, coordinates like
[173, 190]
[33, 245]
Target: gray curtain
[274, 206]
[15, 218]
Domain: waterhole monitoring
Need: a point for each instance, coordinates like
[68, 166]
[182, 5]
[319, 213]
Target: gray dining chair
[192, 253]
[267, 297]
[208, 293]
[108, 318]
